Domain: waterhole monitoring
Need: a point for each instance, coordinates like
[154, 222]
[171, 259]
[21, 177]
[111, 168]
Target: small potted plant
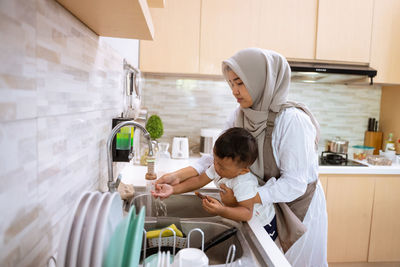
[155, 128]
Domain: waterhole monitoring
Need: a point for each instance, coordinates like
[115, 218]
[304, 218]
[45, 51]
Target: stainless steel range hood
[331, 73]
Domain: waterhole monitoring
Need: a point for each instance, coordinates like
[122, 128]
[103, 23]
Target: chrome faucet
[112, 186]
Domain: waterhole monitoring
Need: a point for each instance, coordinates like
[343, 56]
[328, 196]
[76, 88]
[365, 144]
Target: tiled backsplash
[186, 105]
[60, 85]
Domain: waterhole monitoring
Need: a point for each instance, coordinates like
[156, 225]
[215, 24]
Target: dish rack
[172, 241]
[182, 243]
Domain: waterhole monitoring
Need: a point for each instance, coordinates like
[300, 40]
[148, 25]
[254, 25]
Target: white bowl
[192, 257]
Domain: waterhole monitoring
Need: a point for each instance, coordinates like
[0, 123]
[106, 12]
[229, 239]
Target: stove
[337, 159]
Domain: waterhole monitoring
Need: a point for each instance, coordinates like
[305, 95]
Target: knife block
[373, 139]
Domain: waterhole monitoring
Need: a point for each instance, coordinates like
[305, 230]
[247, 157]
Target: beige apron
[290, 215]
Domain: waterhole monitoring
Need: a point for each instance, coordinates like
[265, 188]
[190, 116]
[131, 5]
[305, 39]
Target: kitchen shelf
[120, 18]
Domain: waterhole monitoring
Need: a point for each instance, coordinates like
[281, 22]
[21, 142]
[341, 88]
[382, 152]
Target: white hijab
[266, 75]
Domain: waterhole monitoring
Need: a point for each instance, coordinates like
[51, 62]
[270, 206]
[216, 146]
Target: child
[234, 152]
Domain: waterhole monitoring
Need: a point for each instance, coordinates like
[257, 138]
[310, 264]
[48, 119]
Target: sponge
[166, 233]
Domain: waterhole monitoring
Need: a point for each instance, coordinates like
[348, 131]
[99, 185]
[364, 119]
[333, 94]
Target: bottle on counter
[150, 179]
[151, 174]
[398, 148]
[390, 146]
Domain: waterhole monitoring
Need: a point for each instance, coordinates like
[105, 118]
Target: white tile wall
[59, 88]
[186, 105]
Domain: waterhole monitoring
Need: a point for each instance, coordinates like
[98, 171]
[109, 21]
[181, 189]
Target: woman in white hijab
[287, 136]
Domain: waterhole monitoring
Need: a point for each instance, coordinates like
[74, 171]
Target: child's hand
[212, 205]
[162, 191]
[168, 178]
[227, 196]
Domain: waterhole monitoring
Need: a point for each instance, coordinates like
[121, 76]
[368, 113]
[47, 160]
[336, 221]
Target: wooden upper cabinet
[175, 48]
[227, 26]
[288, 27]
[123, 19]
[344, 30]
[385, 229]
[385, 46]
[195, 36]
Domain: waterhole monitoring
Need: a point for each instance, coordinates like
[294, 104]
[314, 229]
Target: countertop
[394, 169]
[134, 174]
[371, 169]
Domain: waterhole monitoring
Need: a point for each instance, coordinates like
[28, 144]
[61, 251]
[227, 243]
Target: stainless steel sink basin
[182, 206]
[191, 215]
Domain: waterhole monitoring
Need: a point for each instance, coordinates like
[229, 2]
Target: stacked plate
[89, 229]
[126, 242]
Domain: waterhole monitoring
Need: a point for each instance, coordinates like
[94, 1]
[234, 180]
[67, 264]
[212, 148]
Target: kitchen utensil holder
[174, 241]
[230, 258]
[160, 239]
[161, 243]
[202, 237]
[160, 255]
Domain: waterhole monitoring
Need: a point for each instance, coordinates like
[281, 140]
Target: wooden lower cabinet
[324, 182]
[349, 205]
[385, 228]
[363, 218]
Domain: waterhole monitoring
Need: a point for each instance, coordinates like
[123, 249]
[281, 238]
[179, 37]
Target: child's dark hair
[238, 144]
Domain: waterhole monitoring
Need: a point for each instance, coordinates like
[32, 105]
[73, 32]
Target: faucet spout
[113, 185]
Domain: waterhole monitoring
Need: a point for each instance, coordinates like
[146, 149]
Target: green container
[124, 139]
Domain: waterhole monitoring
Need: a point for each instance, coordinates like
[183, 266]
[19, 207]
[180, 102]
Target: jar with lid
[163, 159]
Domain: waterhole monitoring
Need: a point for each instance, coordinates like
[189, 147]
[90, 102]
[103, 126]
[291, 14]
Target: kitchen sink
[182, 206]
[217, 254]
[187, 213]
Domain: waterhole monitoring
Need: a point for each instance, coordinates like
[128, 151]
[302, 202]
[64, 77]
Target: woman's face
[239, 90]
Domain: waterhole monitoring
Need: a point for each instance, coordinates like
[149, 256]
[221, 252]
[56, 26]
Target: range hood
[331, 73]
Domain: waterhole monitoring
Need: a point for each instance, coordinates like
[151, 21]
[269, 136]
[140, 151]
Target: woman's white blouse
[294, 151]
[293, 148]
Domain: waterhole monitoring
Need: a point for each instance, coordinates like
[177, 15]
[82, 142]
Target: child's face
[228, 168]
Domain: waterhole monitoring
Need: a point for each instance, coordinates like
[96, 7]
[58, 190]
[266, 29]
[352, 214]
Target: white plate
[77, 231]
[88, 229]
[110, 216]
[63, 246]
[96, 258]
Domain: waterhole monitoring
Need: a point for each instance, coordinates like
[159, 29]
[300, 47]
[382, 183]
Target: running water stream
[154, 203]
[161, 207]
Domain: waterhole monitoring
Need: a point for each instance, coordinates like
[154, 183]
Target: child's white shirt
[244, 187]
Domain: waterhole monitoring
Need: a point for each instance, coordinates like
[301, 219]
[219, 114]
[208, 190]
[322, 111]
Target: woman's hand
[168, 178]
[212, 206]
[162, 191]
[227, 196]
